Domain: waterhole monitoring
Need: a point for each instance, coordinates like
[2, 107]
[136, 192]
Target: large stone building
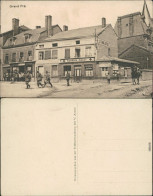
[89, 52]
[16, 29]
[19, 50]
[135, 37]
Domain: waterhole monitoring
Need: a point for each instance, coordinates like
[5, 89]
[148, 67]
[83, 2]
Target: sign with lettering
[77, 59]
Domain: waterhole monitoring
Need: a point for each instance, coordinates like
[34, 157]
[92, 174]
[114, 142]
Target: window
[67, 53]
[21, 54]
[77, 52]
[89, 73]
[48, 54]
[41, 46]
[14, 57]
[29, 58]
[88, 51]
[27, 38]
[54, 70]
[12, 41]
[89, 70]
[78, 42]
[21, 57]
[54, 45]
[41, 55]
[29, 53]
[6, 60]
[54, 54]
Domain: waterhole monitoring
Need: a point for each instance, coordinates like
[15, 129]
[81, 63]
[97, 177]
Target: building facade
[19, 50]
[136, 29]
[16, 29]
[81, 52]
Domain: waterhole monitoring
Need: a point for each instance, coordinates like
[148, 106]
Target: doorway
[77, 73]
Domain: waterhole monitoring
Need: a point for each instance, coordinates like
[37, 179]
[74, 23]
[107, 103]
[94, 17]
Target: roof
[20, 38]
[22, 27]
[108, 58]
[140, 47]
[78, 33]
[128, 15]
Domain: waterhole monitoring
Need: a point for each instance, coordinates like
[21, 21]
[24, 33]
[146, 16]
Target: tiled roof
[128, 15]
[134, 45]
[77, 33]
[20, 38]
[22, 27]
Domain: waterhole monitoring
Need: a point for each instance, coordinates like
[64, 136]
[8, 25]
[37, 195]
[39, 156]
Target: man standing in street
[47, 80]
[27, 79]
[108, 78]
[68, 78]
[39, 79]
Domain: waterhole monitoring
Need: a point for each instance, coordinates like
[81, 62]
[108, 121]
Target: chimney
[38, 27]
[15, 26]
[65, 28]
[48, 25]
[103, 22]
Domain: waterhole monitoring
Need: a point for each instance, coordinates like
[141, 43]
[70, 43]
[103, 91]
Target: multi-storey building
[16, 29]
[85, 52]
[135, 37]
[19, 50]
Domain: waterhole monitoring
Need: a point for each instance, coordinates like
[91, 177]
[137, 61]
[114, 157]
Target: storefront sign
[105, 64]
[77, 59]
[88, 67]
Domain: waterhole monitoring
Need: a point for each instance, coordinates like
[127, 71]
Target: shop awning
[115, 59]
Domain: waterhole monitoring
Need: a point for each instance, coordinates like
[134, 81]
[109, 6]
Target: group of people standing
[39, 79]
[15, 76]
[136, 74]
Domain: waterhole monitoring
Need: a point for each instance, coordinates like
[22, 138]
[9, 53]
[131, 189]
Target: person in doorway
[47, 80]
[68, 78]
[27, 79]
[39, 79]
[108, 78]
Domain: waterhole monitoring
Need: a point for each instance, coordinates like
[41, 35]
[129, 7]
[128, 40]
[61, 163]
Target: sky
[75, 14]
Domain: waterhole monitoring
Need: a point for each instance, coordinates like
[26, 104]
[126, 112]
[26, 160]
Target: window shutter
[67, 53]
[47, 54]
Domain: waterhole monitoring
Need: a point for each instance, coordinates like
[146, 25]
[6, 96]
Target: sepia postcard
[76, 97]
[76, 147]
[76, 49]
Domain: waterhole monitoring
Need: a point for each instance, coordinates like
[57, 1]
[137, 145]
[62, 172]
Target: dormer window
[27, 37]
[12, 40]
